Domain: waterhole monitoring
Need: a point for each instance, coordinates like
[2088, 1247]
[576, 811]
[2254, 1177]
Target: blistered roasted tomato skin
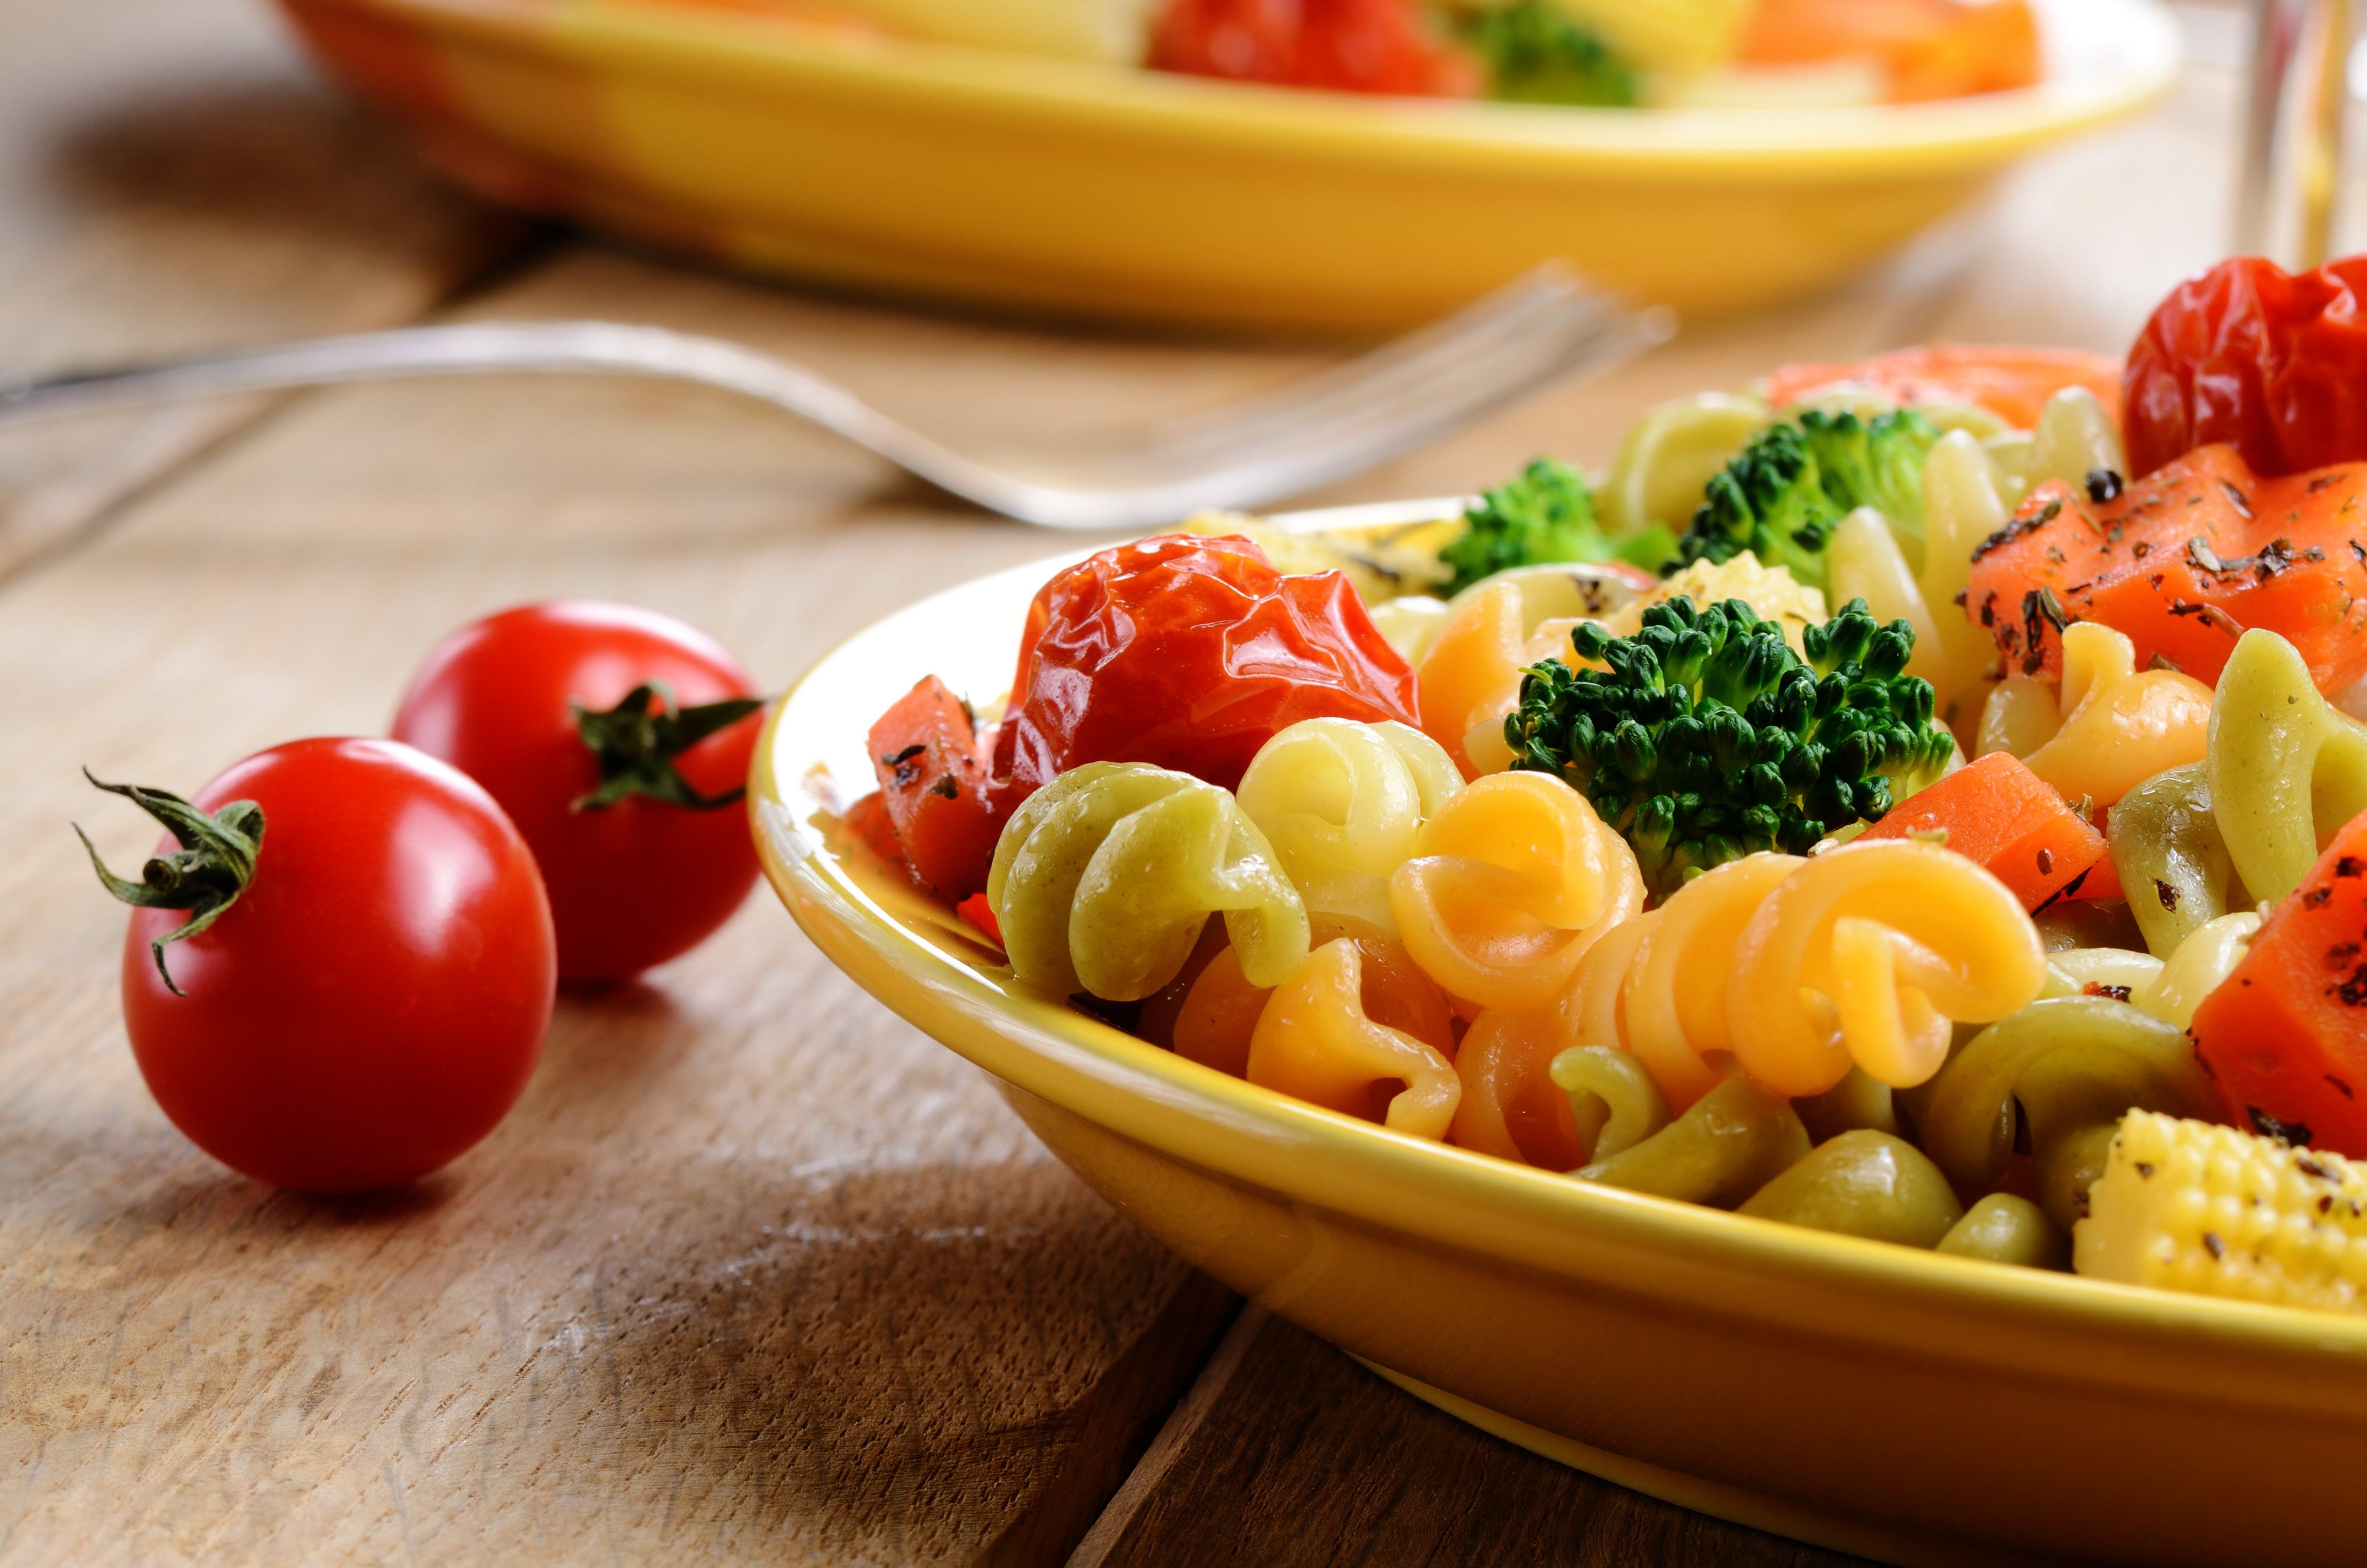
[2247, 354]
[1190, 652]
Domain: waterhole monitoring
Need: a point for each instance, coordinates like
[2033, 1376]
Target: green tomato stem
[636, 741]
[214, 865]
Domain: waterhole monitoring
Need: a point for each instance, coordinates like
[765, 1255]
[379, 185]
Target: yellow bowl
[983, 176]
[1898, 1403]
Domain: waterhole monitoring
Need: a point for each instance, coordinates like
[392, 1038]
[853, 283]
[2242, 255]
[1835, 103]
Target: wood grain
[1296, 1454]
[753, 1271]
[173, 178]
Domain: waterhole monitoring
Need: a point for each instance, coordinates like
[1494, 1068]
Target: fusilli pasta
[1341, 802]
[1104, 878]
[1511, 881]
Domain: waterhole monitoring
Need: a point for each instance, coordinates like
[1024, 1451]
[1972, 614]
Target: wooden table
[755, 1272]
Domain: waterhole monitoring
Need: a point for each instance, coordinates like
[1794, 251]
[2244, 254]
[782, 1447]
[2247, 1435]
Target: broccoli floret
[1783, 494]
[1544, 514]
[1708, 738]
[1536, 54]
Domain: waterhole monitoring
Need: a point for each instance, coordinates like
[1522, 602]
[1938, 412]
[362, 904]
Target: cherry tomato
[1357, 46]
[1189, 651]
[2250, 355]
[373, 1000]
[643, 841]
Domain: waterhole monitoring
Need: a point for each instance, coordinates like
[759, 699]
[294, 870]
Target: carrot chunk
[2000, 813]
[933, 774]
[1928, 49]
[2183, 561]
[2011, 382]
[2285, 1035]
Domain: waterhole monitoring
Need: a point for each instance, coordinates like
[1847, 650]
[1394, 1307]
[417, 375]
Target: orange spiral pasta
[1512, 1108]
[1210, 1014]
[1870, 953]
[1511, 883]
[1315, 1040]
[1673, 1011]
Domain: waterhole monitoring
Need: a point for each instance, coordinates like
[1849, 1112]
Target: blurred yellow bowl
[980, 175]
[1904, 1405]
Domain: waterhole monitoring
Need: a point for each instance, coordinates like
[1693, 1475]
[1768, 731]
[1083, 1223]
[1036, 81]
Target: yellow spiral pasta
[1315, 1040]
[2286, 770]
[1962, 506]
[1511, 882]
[1865, 562]
[1103, 879]
[2113, 727]
[1868, 953]
[2197, 966]
[1341, 802]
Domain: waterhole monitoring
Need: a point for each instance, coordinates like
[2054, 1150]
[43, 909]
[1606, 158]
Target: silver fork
[1321, 427]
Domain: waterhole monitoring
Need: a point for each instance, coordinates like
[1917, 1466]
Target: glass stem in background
[2291, 172]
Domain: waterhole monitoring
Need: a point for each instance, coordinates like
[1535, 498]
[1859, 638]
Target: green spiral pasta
[2075, 1065]
[2002, 1228]
[1862, 1183]
[1104, 878]
[2285, 769]
[1613, 1099]
[2168, 850]
[1735, 1140]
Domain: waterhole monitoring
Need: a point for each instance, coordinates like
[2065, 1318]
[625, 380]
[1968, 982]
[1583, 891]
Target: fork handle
[544, 347]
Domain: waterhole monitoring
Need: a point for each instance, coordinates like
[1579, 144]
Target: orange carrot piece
[2285, 1036]
[933, 774]
[2000, 813]
[1928, 49]
[2010, 381]
[2183, 561]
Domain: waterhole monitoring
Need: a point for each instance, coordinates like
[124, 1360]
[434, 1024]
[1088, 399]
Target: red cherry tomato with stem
[345, 967]
[618, 741]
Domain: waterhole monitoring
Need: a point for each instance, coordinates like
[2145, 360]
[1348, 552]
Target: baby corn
[2187, 1206]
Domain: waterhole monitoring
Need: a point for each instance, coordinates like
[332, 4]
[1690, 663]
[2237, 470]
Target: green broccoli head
[1544, 514]
[1709, 739]
[1784, 494]
[1876, 462]
[1536, 54]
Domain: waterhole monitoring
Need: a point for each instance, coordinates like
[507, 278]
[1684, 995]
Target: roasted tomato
[1184, 651]
[1356, 46]
[1190, 653]
[2250, 355]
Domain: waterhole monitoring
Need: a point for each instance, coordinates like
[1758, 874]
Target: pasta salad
[1917, 799]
